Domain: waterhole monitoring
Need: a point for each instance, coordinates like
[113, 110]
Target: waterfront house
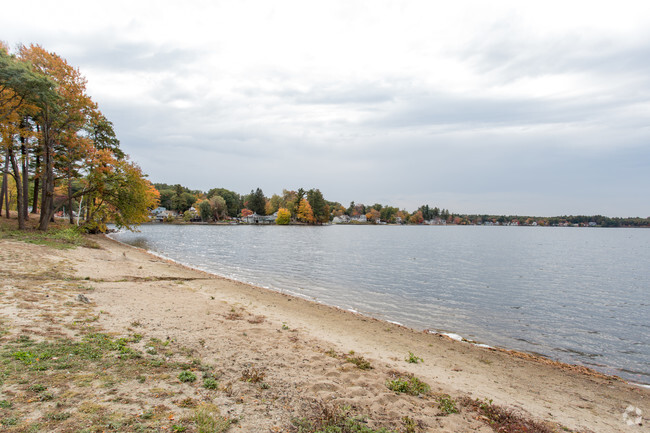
[260, 219]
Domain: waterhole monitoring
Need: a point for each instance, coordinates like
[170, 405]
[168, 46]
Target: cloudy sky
[529, 108]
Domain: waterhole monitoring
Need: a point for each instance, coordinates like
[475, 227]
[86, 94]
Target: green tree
[257, 202]
[273, 204]
[205, 211]
[318, 205]
[219, 207]
[233, 200]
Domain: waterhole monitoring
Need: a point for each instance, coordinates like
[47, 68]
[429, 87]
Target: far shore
[304, 349]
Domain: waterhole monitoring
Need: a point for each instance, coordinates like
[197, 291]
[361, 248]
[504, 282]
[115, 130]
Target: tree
[284, 216]
[373, 215]
[205, 210]
[318, 205]
[22, 92]
[126, 198]
[305, 213]
[219, 207]
[273, 205]
[233, 200]
[289, 201]
[257, 202]
[416, 218]
[388, 214]
[59, 120]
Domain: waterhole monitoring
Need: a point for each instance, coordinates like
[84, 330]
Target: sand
[300, 346]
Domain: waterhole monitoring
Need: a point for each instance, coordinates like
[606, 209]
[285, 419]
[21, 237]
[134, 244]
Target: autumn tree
[416, 218]
[273, 204]
[51, 127]
[22, 91]
[60, 120]
[284, 216]
[289, 202]
[125, 197]
[305, 213]
[373, 215]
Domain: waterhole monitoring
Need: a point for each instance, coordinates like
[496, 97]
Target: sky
[503, 107]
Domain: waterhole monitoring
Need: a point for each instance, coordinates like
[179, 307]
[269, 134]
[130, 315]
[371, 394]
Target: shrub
[409, 385]
[186, 376]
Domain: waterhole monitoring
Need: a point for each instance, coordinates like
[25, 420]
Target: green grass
[58, 237]
[209, 420]
[447, 405]
[408, 385]
[210, 383]
[186, 376]
[411, 358]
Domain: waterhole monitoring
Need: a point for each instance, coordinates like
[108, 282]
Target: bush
[186, 376]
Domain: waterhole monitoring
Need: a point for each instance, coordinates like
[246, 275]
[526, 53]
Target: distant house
[260, 219]
[157, 211]
[343, 219]
[160, 214]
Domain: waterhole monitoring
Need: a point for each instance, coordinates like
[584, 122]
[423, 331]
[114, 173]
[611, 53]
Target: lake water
[578, 295]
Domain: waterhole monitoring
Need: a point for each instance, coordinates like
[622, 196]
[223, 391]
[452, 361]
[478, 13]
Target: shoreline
[453, 334]
[303, 348]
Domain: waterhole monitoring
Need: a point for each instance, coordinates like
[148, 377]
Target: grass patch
[411, 358]
[64, 237]
[326, 418]
[408, 384]
[210, 383]
[359, 361]
[208, 419]
[186, 376]
[504, 420]
[446, 404]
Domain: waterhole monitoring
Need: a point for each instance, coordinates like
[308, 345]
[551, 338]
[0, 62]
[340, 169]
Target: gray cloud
[212, 110]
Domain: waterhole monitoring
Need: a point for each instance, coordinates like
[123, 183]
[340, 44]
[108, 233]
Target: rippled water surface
[576, 295]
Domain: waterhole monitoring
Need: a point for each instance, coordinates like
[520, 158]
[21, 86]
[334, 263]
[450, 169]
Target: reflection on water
[576, 295]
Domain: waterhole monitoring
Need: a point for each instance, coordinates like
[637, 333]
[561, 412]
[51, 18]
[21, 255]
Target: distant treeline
[309, 206]
[557, 221]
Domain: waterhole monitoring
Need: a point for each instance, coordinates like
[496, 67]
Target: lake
[577, 295]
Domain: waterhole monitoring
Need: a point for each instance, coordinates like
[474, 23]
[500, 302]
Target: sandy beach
[293, 354]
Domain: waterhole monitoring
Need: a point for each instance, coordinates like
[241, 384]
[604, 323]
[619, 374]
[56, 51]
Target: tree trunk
[24, 154]
[4, 192]
[20, 198]
[37, 179]
[47, 200]
[71, 219]
[37, 176]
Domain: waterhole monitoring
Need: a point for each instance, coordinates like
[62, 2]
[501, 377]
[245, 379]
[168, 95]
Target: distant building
[260, 219]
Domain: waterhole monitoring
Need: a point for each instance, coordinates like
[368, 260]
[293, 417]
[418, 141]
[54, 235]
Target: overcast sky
[529, 108]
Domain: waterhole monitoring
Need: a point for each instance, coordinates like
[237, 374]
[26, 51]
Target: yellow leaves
[284, 216]
[305, 212]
